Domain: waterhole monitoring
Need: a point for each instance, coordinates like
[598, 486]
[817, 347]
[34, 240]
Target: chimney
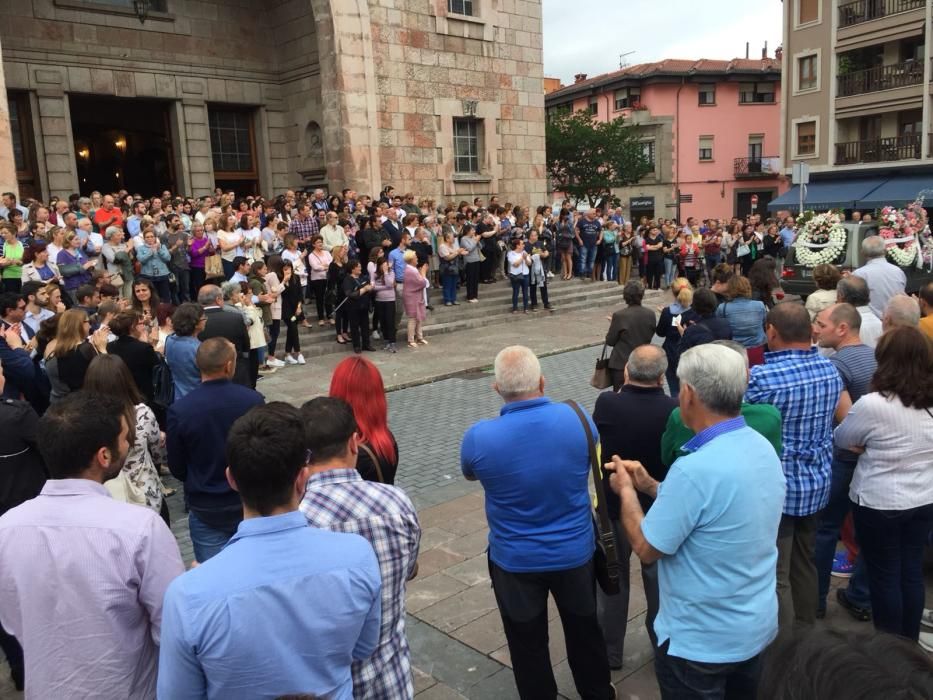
[764, 51]
[579, 77]
[779, 53]
[746, 50]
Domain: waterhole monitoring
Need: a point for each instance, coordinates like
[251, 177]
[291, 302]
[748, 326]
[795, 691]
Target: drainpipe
[683, 81]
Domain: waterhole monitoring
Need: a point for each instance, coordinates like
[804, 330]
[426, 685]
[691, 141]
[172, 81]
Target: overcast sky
[587, 36]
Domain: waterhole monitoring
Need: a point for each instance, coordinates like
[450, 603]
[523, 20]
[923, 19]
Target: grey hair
[108, 234]
[852, 290]
[207, 295]
[734, 345]
[646, 364]
[873, 247]
[229, 289]
[84, 200]
[518, 372]
[717, 375]
[901, 310]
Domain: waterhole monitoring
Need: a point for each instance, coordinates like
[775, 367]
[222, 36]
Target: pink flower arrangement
[900, 229]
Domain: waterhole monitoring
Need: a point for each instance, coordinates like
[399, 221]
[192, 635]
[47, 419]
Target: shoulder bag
[372, 456]
[213, 266]
[602, 377]
[606, 556]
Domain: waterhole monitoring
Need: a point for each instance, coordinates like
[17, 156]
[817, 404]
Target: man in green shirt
[762, 418]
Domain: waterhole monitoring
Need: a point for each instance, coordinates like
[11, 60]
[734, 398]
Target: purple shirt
[82, 578]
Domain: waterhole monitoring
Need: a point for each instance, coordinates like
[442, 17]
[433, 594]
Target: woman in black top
[292, 297]
[133, 347]
[565, 237]
[357, 291]
[69, 354]
[654, 244]
[336, 272]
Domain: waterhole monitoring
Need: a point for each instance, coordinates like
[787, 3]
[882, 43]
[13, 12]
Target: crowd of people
[149, 360]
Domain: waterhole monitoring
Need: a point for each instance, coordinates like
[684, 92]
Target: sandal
[413, 345]
[341, 340]
[322, 323]
[422, 341]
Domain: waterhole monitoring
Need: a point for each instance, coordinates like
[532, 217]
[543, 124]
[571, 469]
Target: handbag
[742, 250]
[163, 388]
[605, 556]
[602, 377]
[213, 267]
[372, 456]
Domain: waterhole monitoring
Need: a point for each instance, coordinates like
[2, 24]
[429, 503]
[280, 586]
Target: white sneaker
[926, 619]
[290, 360]
[375, 335]
[926, 641]
[550, 275]
[275, 362]
[301, 359]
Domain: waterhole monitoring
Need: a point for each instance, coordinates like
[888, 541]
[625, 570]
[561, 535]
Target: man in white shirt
[9, 202]
[884, 279]
[854, 290]
[333, 234]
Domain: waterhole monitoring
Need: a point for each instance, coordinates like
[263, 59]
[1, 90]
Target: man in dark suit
[631, 423]
[223, 324]
[196, 439]
[630, 327]
[392, 227]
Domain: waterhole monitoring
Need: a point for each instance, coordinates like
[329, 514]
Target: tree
[587, 159]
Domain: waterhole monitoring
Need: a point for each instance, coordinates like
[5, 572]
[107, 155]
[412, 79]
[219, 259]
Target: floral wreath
[820, 238]
[900, 230]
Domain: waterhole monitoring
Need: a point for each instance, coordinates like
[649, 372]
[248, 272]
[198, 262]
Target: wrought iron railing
[852, 13]
[763, 166]
[879, 150]
[880, 78]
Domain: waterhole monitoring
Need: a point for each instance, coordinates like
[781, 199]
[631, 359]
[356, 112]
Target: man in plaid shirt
[805, 387]
[304, 225]
[336, 498]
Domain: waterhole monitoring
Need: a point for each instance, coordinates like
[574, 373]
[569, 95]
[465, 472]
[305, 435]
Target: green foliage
[586, 159]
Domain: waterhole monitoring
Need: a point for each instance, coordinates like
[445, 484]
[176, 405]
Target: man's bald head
[646, 365]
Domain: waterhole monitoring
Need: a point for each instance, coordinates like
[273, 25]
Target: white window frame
[712, 148]
[700, 92]
[477, 136]
[473, 8]
[795, 147]
[795, 66]
[628, 97]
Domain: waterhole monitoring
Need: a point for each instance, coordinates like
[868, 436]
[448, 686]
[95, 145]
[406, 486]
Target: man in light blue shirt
[283, 609]
[397, 258]
[714, 527]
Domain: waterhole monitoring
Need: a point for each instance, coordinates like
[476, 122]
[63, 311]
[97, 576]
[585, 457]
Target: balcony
[879, 150]
[879, 78]
[763, 167]
[852, 13]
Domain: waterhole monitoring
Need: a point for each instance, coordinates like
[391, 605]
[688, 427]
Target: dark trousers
[472, 280]
[181, 287]
[12, 285]
[680, 679]
[892, 543]
[14, 654]
[292, 344]
[653, 271]
[274, 335]
[385, 312]
[796, 573]
[195, 281]
[613, 609]
[522, 600]
[162, 287]
[228, 267]
[519, 282]
[318, 288]
[673, 381]
[358, 319]
[534, 295]
[827, 535]
[342, 320]
[488, 266]
[253, 367]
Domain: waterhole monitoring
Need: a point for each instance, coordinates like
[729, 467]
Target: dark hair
[29, 255]
[275, 265]
[213, 354]
[853, 290]
[164, 311]
[123, 323]
[10, 300]
[633, 292]
[831, 663]
[108, 290]
[905, 367]
[826, 276]
[75, 428]
[763, 278]
[153, 294]
[244, 219]
[30, 289]
[85, 291]
[925, 293]
[256, 267]
[791, 321]
[238, 261]
[704, 302]
[265, 451]
[328, 424]
[186, 317]
[108, 374]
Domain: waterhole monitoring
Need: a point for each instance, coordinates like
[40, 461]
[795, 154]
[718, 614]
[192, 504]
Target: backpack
[163, 388]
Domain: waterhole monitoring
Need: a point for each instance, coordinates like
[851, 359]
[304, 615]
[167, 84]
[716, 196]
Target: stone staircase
[494, 306]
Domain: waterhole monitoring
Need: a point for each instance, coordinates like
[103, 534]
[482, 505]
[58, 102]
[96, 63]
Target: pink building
[712, 130]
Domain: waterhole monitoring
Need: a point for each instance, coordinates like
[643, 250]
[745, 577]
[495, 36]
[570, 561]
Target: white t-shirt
[514, 257]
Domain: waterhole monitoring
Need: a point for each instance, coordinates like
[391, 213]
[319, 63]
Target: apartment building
[710, 128]
[857, 101]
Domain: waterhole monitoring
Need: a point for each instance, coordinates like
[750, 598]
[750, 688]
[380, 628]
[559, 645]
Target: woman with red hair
[357, 381]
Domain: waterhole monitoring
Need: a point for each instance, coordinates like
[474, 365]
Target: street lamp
[142, 9]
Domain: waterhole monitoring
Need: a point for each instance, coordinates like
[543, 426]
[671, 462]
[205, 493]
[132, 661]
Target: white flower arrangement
[820, 239]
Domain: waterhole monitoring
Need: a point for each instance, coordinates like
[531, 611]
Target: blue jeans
[207, 541]
[670, 271]
[450, 288]
[681, 679]
[612, 267]
[587, 258]
[892, 543]
[519, 282]
[827, 535]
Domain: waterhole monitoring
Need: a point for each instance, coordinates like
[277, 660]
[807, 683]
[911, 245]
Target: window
[625, 98]
[806, 72]
[466, 145]
[808, 11]
[755, 147]
[707, 94]
[154, 5]
[647, 150]
[460, 7]
[756, 93]
[806, 138]
[23, 151]
[232, 144]
[706, 148]
[593, 106]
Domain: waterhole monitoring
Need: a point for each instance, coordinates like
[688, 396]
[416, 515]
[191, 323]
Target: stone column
[8, 181]
[200, 168]
[57, 141]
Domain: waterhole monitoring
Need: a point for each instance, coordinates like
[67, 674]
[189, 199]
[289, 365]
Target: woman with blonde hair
[673, 318]
[413, 285]
[70, 352]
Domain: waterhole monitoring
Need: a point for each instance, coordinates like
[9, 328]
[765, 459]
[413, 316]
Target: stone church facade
[443, 98]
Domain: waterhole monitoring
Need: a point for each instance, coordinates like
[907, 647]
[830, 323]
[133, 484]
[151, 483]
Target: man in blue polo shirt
[589, 236]
[713, 529]
[533, 462]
